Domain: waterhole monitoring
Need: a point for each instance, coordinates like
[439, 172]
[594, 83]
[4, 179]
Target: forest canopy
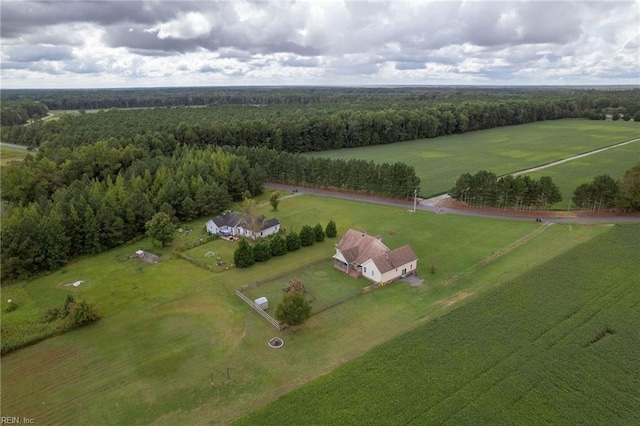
[99, 177]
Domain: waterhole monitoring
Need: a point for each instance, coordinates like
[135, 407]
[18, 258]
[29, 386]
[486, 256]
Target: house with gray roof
[237, 224]
[359, 254]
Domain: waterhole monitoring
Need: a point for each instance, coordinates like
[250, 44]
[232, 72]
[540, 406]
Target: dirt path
[575, 157]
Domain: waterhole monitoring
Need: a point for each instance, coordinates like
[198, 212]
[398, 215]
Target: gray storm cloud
[491, 39]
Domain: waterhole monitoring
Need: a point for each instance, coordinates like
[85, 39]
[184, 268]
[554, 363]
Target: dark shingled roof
[394, 259]
[236, 218]
[230, 219]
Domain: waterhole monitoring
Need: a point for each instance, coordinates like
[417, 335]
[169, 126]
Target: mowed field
[177, 346]
[7, 155]
[558, 345]
[440, 161]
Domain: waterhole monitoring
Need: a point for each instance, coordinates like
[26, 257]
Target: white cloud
[147, 43]
[187, 26]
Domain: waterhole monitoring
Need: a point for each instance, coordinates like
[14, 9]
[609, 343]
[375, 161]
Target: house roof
[358, 247]
[269, 223]
[230, 219]
[394, 259]
[235, 218]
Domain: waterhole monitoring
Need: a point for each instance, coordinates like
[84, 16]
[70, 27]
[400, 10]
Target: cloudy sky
[67, 44]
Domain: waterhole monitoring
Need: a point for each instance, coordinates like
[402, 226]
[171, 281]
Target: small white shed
[262, 303]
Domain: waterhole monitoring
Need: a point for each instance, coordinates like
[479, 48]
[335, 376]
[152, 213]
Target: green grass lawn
[557, 345]
[8, 155]
[440, 161]
[176, 345]
[323, 283]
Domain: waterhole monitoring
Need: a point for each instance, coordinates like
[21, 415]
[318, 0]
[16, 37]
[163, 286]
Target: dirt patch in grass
[454, 299]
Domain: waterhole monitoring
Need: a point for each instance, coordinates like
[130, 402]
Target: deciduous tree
[275, 200]
[294, 309]
[161, 228]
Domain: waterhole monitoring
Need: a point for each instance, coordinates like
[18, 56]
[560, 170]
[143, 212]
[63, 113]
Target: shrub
[307, 236]
[80, 314]
[278, 246]
[51, 314]
[293, 241]
[243, 257]
[11, 306]
[319, 233]
[331, 229]
[262, 251]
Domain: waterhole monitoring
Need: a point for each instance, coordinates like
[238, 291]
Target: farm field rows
[440, 161]
[176, 345]
[568, 176]
[559, 344]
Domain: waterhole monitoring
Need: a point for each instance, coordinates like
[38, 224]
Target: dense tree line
[88, 99]
[65, 203]
[396, 180]
[604, 192]
[17, 113]
[485, 189]
[316, 127]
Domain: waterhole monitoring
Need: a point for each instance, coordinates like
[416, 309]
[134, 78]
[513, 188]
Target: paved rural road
[14, 146]
[432, 205]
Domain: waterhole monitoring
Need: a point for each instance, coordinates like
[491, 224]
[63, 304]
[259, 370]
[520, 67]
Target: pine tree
[293, 241]
[319, 233]
[262, 251]
[331, 230]
[243, 257]
[278, 246]
[307, 236]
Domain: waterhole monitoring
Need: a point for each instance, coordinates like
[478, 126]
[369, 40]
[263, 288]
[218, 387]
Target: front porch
[348, 269]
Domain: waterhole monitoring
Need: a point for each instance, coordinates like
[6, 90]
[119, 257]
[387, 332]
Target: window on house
[372, 273]
[365, 270]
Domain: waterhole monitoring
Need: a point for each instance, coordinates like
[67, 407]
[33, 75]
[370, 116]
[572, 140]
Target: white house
[359, 254]
[236, 224]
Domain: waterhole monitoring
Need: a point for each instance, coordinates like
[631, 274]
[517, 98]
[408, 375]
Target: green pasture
[177, 346]
[557, 345]
[440, 161]
[323, 283]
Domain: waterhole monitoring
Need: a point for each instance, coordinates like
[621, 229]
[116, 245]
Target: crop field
[176, 345]
[440, 161]
[568, 176]
[559, 344]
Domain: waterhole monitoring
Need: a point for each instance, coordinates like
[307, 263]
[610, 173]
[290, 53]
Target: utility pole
[415, 199]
